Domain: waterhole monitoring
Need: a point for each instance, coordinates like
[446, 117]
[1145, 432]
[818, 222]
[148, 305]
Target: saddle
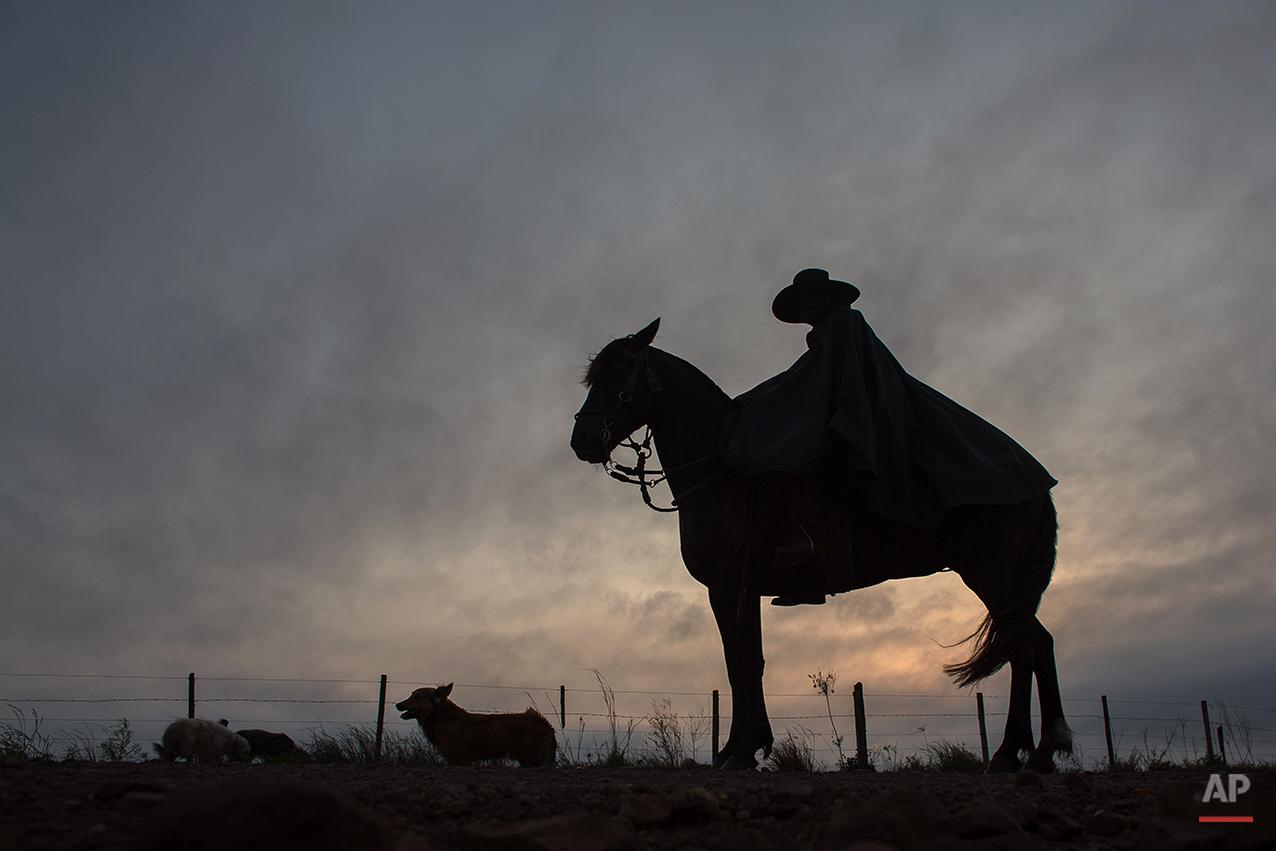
[770, 521]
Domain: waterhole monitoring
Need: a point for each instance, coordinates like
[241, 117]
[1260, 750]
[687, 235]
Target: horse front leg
[718, 603]
[742, 648]
[738, 704]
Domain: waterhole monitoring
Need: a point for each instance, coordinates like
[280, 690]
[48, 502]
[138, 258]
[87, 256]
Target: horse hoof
[1041, 763]
[736, 762]
[1002, 765]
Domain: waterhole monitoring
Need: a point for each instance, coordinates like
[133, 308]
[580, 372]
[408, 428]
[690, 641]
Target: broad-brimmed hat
[786, 301]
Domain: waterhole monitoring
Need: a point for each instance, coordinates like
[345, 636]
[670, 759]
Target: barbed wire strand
[576, 690]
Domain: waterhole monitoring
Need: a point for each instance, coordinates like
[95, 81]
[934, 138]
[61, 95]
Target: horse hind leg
[1056, 736]
[998, 641]
[1017, 738]
[1015, 635]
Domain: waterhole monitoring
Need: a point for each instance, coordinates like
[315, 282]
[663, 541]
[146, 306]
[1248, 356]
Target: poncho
[847, 411]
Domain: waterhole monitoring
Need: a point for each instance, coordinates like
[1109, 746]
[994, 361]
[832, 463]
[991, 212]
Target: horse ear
[646, 335]
[445, 690]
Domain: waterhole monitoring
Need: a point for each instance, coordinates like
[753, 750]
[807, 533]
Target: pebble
[1078, 782]
[694, 805]
[984, 818]
[1027, 777]
[646, 811]
[1056, 826]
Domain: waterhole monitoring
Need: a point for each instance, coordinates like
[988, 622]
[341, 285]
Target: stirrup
[804, 548]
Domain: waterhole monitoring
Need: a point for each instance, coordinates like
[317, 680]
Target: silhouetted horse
[1004, 553]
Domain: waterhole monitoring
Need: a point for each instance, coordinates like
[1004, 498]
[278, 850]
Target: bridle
[639, 474]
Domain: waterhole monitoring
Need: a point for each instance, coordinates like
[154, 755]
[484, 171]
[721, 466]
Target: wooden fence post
[715, 725]
[190, 695]
[861, 729]
[376, 752]
[562, 707]
[983, 729]
[1107, 732]
[1222, 754]
[1209, 739]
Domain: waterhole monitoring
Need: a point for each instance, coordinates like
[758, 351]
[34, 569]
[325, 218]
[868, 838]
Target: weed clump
[952, 757]
[17, 741]
[795, 752]
[672, 741]
[357, 744]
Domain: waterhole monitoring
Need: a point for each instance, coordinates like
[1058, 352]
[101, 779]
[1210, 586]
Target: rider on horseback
[846, 420]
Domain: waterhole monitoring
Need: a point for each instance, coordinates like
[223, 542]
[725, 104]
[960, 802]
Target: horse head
[622, 396]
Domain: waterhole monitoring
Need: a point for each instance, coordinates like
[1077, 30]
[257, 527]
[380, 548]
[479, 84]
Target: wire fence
[897, 727]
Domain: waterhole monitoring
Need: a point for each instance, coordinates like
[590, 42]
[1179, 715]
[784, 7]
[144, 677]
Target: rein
[639, 474]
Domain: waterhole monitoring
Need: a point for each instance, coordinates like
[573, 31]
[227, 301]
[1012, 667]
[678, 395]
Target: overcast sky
[295, 299]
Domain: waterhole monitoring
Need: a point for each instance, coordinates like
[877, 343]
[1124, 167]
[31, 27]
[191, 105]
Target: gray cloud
[296, 301]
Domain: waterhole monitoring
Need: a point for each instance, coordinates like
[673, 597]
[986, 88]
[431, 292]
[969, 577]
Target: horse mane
[690, 371]
[617, 348]
[598, 362]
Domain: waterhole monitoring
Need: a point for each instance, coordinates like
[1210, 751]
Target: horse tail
[1014, 626]
[993, 642]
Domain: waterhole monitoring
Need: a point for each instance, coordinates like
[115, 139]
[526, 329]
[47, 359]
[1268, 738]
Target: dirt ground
[100, 805]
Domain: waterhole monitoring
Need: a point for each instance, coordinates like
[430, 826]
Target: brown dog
[465, 737]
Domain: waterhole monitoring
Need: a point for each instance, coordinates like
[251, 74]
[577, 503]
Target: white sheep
[200, 739]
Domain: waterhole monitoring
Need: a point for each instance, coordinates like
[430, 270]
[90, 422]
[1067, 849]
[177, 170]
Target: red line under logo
[1227, 818]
